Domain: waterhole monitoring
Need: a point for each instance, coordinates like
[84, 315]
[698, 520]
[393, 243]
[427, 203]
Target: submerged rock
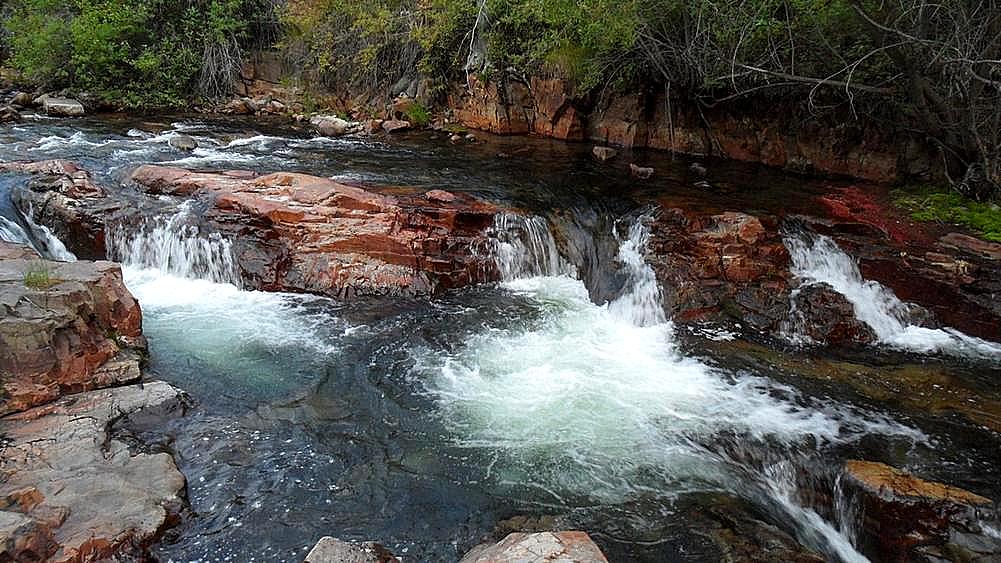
[183, 143]
[910, 519]
[640, 172]
[65, 327]
[71, 492]
[62, 107]
[331, 550]
[571, 546]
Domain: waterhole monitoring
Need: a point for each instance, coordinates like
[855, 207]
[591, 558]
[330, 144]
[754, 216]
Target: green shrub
[929, 204]
[418, 114]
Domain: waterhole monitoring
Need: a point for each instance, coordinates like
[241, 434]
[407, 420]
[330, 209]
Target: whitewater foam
[818, 259]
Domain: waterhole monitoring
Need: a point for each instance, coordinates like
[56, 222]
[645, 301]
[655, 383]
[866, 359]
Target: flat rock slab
[65, 327]
[63, 107]
[69, 487]
[542, 547]
[332, 550]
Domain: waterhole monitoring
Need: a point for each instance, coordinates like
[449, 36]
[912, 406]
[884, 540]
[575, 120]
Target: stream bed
[561, 395]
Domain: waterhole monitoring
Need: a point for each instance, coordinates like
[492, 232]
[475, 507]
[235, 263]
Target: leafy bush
[133, 53]
[418, 114]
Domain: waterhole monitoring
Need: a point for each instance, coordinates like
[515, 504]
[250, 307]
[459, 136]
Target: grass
[933, 204]
[418, 114]
[39, 278]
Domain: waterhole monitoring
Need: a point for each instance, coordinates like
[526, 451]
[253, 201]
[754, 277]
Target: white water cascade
[596, 401]
[176, 247]
[525, 246]
[40, 238]
[818, 259]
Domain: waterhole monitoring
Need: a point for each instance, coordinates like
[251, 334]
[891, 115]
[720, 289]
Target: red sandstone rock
[304, 233]
[80, 330]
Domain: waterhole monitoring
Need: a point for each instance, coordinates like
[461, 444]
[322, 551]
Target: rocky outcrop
[539, 547]
[910, 519]
[712, 266]
[71, 492]
[295, 232]
[65, 327]
[762, 132]
[65, 198]
[331, 550]
[826, 316]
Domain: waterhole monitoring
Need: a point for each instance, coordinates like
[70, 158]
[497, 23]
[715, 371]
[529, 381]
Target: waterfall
[174, 245]
[524, 246]
[818, 259]
[640, 302]
[39, 237]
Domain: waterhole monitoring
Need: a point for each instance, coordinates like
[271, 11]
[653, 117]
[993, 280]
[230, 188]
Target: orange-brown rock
[72, 493]
[296, 232]
[65, 327]
[908, 518]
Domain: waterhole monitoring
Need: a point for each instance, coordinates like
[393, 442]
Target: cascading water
[818, 259]
[525, 246]
[174, 246]
[597, 402]
[39, 237]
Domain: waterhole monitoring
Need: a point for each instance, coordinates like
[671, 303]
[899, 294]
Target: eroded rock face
[295, 232]
[70, 492]
[65, 327]
[826, 316]
[331, 550]
[729, 264]
[571, 546]
[910, 519]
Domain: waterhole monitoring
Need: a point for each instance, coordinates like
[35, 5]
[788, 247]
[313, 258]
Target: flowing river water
[562, 393]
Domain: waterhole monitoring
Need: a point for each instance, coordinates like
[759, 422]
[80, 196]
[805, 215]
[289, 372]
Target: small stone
[393, 125]
[698, 170]
[640, 172]
[470, 137]
[330, 125]
[456, 138]
[23, 99]
[604, 154]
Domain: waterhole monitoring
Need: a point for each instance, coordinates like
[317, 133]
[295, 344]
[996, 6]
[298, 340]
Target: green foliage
[39, 278]
[929, 204]
[418, 114]
[133, 53]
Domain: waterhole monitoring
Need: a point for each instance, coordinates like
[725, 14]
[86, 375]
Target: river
[562, 393]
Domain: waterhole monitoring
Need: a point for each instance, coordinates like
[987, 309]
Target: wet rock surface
[65, 327]
[715, 266]
[331, 550]
[910, 519]
[296, 232]
[568, 546]
[72, 492]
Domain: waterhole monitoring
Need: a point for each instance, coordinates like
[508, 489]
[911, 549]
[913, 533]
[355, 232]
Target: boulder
[331, 550]
[70, 491]
[65, 327]
[295, 232]
[23, 99]
[183, 143]
[237, 106]
[909, 519]
[541, 547]
[717, 265]
[826, 316]
[62, 107]
[603, 154]
[331, 125]
[394, 125]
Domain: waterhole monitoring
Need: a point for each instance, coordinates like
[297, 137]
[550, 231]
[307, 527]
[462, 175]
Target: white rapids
[818, 259]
